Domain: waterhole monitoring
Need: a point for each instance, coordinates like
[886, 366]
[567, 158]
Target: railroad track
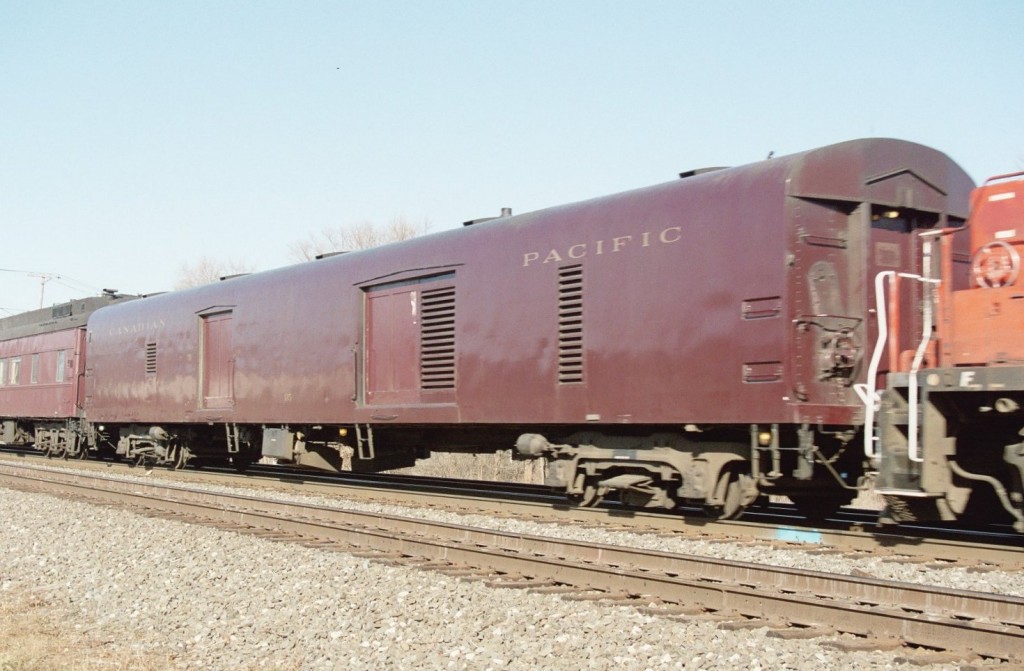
[853, 533]
[793, 603]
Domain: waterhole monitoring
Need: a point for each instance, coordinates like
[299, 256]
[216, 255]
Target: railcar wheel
[733, 506]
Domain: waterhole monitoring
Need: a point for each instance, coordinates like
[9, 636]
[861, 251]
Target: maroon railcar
[692, 341]
[42, 368]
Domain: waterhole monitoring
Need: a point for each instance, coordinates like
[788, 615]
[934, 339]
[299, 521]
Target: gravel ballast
[876, 566]
[203, 598]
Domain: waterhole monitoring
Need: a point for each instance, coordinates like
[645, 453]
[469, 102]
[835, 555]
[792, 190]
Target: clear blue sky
[138, 136]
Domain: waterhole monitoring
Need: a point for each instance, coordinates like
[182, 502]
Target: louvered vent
[151, 358]
[570, 325]
[437, 338]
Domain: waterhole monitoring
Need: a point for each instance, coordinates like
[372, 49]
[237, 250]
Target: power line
[45, 277]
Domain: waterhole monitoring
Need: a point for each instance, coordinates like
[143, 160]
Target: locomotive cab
[950, 427]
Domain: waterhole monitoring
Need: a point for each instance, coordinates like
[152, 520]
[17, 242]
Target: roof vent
[505, 212]
[700, 171]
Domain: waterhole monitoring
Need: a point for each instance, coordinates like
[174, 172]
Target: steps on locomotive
[896, 471]
[919, 488]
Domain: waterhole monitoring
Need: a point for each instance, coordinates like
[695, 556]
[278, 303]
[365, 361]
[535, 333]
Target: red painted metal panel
[218, 361]
[47, 396]
[989, 315]
[689, 294]
[392, 346]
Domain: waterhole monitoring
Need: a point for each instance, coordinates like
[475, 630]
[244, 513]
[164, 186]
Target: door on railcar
[827, 280]
[74, 366]
[896, 245]
[218, 363]
[410, 341]
[392, 345]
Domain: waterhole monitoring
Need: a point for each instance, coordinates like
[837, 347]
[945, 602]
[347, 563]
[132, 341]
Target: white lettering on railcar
[137, 327]
[967, 378]
[615, 245]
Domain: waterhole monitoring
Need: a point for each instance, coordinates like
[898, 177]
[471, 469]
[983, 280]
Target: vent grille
[437, 339]
[58, 311]
[570, 325]
[151, 358]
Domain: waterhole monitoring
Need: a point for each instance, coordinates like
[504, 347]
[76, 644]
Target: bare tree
[356, 236]
[207, 271]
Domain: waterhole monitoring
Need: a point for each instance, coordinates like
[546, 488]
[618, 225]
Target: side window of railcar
[61, 362]
[15, 370]
[3, 372]
[34, 374]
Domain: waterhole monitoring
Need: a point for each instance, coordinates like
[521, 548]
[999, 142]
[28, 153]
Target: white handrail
[868, 391]
[913, 448]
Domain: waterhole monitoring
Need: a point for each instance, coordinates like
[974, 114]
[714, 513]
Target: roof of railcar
[59, 317]
[886, 171]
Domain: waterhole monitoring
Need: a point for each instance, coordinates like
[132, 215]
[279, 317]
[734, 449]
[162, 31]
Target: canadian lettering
[138, 327]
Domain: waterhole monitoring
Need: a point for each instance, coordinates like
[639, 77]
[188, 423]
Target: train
[810, 326]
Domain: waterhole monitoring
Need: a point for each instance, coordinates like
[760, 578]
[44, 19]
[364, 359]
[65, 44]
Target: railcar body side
[696, 340]
[42, 370]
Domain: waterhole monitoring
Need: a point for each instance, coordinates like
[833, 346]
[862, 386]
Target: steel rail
[857, 538]
[967, 622]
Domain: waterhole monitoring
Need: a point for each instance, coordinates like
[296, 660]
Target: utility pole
[43, 279]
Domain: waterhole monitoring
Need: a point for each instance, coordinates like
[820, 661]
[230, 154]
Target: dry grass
[36, 635]
[499, 467]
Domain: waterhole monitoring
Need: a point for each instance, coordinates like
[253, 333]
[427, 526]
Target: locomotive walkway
[794, 603]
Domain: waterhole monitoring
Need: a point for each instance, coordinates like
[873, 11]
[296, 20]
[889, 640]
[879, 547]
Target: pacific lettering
[581, 250]
[677, 234]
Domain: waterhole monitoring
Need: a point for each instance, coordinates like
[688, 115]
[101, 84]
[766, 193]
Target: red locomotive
[707, 341]
[949, 442]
